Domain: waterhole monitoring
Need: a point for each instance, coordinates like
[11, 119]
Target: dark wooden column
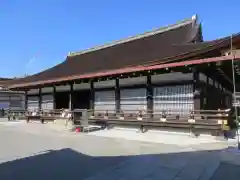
[208, 94]
[196, 89]
[225, 97]
[215, 98]
[92, 95]
[71, 97]
[40, 99]
[204, 94]
[26, 100]
[214, 81]
[149, 94]
[207, 80]
[220, 96]
[54, 97]
[117, 95]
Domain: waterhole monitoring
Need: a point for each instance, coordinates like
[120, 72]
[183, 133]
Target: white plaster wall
[33, 91]
[81, 86]
[47, 90]
[133, 81]
[104, 84]
[171, 77]
[62, 88]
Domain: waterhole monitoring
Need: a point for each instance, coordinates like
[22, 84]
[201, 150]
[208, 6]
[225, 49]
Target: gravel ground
[36, 151]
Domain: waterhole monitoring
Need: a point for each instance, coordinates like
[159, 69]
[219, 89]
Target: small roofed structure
[170, 69]
[10, 99]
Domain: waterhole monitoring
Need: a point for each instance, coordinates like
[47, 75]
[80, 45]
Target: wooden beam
[196, 89]
[149, 94]
[117, 96]
[40, 99]
[26, 100]
[92, 95]
[71, 96]
[54, 97]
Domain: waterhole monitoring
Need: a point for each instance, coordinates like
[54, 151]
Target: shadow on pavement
[67, 164]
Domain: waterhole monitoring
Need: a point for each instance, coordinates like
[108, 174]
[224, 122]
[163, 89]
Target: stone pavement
[227, 171]
[180, 139]
[35, 151]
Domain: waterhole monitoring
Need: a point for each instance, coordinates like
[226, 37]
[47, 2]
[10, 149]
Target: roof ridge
[139, 36]
[208, 41]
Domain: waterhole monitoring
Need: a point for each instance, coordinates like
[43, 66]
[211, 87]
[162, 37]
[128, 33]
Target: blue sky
[36, 35]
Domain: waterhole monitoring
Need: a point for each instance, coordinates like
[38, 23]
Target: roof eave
[127, 70]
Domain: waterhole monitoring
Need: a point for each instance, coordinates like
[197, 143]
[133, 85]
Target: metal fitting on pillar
[140, 115]
[163, 117]
[191, 118]
[177, 117]
[121, 115]
[219, 114]
[106, 114]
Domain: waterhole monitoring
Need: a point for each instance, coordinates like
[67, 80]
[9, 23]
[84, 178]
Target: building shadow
[68, 164]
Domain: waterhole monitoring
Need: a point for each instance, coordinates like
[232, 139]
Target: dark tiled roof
[156, 47]
[128, 52]
[5, 79]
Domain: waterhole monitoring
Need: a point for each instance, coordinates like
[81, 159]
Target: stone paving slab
[30, 150]
[136, 168]
[156, 137]
[227, 171]
[162, 173]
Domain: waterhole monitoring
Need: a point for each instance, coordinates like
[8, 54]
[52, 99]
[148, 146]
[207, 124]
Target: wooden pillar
[196, 89]
[208, 92]
[71, 97]
[40, 99]
[117, 95]
[215, 94]
[204, 93]
[225, 98]
[220, 96]
[92, 95]
[207, 80]
[214, 81]
[149, 94]
[26, 100]
[54, 97]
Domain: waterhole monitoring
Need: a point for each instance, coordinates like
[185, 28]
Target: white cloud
[29, 65]
[32, 60]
